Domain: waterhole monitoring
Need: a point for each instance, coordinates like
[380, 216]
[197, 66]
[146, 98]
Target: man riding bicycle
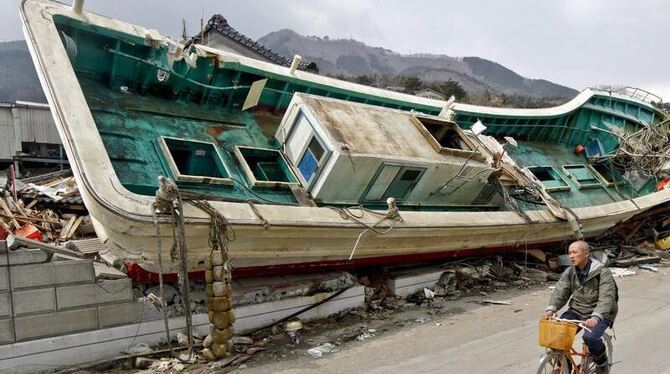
[592, 294]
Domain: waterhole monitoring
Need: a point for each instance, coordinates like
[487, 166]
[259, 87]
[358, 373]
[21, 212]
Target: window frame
[560, 176]
[251, 177]
[179, 177]
[603, 181]
[581, 186]
[315, 133]
[422, 171]
[473, 152]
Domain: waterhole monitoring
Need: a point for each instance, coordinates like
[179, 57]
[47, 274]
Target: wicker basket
[557, 335]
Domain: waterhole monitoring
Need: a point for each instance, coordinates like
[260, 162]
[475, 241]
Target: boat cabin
[354, 153]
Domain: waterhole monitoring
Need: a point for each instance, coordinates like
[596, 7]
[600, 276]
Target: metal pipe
[78, 6]
[294, 64]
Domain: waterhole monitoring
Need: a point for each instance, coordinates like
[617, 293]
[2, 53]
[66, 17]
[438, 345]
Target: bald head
[578, 252]
[581, 245]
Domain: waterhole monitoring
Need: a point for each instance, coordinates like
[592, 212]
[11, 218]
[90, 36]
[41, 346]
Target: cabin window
[550, 178]
[393, 181]
[265, 167]
[582, 176]
[311, 159]
[194, 161]
[446, 134]
[447, 137]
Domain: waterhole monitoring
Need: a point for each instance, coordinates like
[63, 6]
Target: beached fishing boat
[311, 171]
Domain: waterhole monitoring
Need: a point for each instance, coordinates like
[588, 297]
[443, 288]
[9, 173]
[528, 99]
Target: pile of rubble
[245, 292]
[469, 276]
[44, 208]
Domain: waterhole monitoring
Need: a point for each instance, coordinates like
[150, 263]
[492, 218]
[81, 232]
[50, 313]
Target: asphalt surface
[503, 338]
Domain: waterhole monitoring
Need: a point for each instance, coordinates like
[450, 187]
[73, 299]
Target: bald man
[590, 292]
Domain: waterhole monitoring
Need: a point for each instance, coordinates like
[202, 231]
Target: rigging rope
[392, 215]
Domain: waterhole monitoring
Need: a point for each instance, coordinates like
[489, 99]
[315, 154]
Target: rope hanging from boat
[266, 224]
[218, 268]
[220, 232]
[510, 203]
[169, 201]
[392, 215]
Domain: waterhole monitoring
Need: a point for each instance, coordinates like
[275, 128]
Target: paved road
[503, 339]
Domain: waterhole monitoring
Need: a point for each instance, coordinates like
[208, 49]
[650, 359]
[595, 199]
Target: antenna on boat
[184, 34]
[202, 27]
[78, 6]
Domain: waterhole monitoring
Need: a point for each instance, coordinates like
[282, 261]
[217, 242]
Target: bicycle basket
[557, 335]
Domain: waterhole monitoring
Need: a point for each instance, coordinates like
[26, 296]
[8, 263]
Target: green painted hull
[201, 101]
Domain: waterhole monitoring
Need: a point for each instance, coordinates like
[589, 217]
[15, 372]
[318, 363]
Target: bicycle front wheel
[554, 363]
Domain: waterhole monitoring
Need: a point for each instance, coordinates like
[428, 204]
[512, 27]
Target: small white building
[352, 153]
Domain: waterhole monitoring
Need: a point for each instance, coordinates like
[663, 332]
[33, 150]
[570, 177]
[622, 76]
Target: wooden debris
[14, 242]
[35, 207]
[496, 302]
[535, 253]
[8, 212]
[637, 261]
[66, 229]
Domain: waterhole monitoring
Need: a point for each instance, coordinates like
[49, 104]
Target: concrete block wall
[43, 297]
[405, 282]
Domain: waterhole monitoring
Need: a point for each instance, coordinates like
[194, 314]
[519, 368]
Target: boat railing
[641, 94]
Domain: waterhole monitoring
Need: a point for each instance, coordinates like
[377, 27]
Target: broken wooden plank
[14, 242]
[5, 207]
[30, 219]
[73, 228]
[496, 302]
[19, 208]
[56, 182]
[31, 204]
[637, 261]
[66, 228]
[537, 254]
[5, 226]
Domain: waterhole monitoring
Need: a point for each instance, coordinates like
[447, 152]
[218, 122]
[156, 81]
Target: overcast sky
[578, 43]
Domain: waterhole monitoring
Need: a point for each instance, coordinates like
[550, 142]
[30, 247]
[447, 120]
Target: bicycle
[557, 335]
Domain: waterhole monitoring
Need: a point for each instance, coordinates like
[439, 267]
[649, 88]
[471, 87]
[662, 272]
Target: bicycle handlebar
[573, 321]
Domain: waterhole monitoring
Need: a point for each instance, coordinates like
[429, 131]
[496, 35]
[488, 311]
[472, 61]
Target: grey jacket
[597, 297]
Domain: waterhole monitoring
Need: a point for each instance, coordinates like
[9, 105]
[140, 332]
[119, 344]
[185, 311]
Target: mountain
[349, 57]
[18, 79]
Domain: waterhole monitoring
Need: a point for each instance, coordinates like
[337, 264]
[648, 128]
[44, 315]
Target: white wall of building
[25, 122]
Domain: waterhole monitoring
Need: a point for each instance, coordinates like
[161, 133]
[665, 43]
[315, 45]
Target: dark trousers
[592, 339]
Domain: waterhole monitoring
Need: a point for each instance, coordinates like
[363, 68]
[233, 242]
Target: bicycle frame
[569, 357]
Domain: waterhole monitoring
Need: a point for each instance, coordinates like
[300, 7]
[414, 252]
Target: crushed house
[220, 35]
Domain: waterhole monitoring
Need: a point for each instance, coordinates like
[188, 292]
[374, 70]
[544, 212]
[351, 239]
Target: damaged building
[220, 35]
[28, 135]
